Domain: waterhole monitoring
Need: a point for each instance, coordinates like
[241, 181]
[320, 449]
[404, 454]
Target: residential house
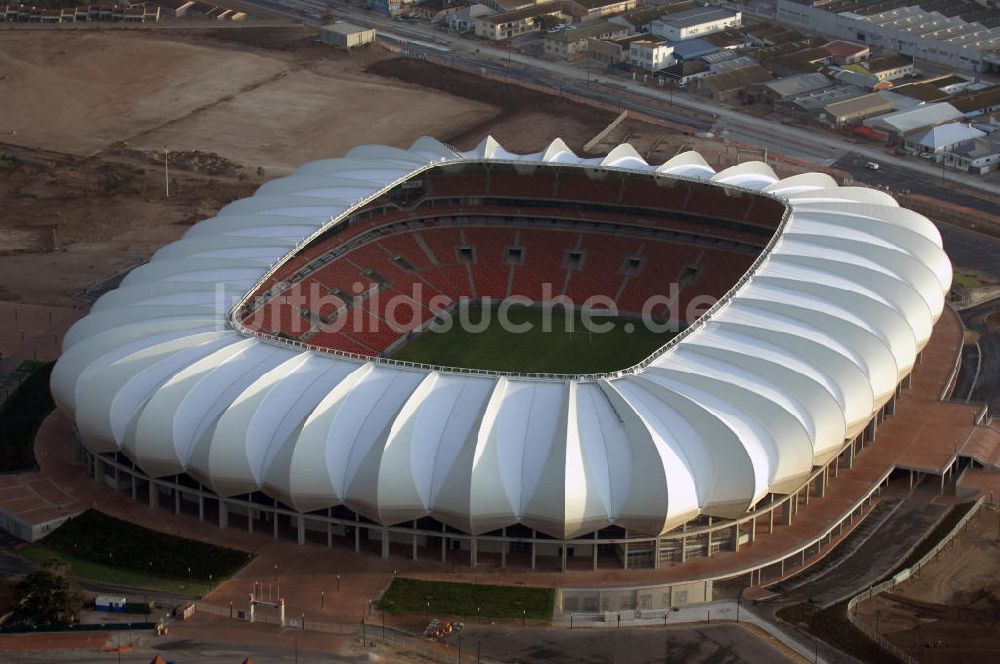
[518, 22]
[464, 20]
[571, 42]
[651, 54]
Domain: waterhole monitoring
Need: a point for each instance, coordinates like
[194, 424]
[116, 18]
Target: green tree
[47, 596]
[547, 22]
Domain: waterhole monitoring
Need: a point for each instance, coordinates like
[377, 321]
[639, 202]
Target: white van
[872, 166]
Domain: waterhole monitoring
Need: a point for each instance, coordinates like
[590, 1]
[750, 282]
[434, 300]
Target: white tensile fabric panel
[794, 365]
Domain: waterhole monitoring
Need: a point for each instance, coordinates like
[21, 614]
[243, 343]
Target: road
[987, 387]
[803, 142]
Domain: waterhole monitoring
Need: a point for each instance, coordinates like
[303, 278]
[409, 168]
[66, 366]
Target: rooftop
[949, 134]
[525, 12]
[922, 90]
[868, 104]
[696, 16]
[970, 102]
[737, 78]
[688, 49]
[844, 49]
[798, 84]
[923, 116]
[888, 63]
[344, 28]
[585, 32]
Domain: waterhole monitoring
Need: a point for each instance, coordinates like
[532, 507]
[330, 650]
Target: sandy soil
[77, 92]
[951, 611]
[87, 115]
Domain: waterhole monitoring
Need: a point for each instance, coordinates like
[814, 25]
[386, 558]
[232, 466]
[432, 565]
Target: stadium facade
[755, 402]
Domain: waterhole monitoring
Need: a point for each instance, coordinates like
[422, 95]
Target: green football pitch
[543, 349]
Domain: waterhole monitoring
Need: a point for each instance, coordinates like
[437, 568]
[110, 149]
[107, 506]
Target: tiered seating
[360, 324]
[601, 273]
[456, 185]
[764, 212]
[650, 195]
[718, 272]
[516, 186]
[715, 204]
[544, 252]
[490, 271]
[585, 189]
[664, 262]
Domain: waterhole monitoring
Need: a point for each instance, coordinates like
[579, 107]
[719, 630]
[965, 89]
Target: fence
[899, 578]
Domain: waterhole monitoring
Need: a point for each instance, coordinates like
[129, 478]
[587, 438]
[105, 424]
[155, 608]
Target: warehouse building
[696, 22]
[346, 35]
[965, 36]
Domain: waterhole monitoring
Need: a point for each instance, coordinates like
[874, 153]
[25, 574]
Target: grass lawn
[461, 599]
[21, 413]
[103, 548]
[964, 280]
[535, 351]
[83, 569]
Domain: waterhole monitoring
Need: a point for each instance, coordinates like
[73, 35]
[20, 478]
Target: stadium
[280, 366]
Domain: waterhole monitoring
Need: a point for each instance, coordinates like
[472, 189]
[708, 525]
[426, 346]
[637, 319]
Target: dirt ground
[89, 113]
[951, 611]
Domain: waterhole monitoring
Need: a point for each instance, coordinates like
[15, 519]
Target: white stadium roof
[769, 383]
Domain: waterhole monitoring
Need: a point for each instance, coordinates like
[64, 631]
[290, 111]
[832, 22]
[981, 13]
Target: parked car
[872, 166]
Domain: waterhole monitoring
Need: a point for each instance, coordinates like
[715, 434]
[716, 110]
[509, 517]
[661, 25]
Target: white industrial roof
[922, 116]
[945, 135]
[762, 388]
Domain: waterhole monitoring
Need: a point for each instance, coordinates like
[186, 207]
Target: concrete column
[684, 548]
[201, 505]
[736, 537]
[596, 546]
[385, 543]
[753, 529]
[302, 529]
[890, 406]
[135, 490]
[625, 557]
[836, 467]
[787, 512]
[869, 433]
[154, 495]
[444, 543]
[770, 525]
[821, 483]
[223, 514]
[850, 455]
[177, 499]
[808, 490]
[656, 553]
